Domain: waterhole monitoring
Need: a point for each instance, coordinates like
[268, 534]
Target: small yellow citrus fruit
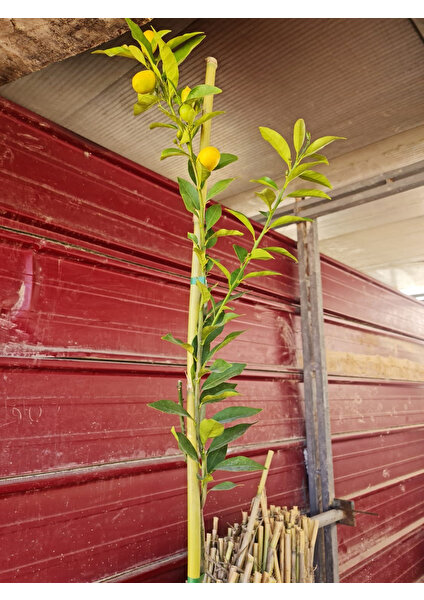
[144, 82]
[185, 93]
[209, 157]
[187, 113]
[149, 34]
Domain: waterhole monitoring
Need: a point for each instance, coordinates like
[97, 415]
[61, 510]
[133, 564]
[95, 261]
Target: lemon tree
[204, 433]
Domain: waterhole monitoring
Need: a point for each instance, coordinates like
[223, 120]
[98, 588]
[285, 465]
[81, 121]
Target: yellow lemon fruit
[149, 34]
[209, 157]
[144, 82]
[185, 93]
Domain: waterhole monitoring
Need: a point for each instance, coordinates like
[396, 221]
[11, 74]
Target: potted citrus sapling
[187, 111]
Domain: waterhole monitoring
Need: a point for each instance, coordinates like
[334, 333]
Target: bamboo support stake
[287, 556]
[255, 507]
[194, 510]
[245, 578]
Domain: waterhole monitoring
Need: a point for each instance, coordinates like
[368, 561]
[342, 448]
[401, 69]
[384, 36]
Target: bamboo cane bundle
[271, 545]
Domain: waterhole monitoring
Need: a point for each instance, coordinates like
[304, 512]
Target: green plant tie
[195, 579]
[202, 279]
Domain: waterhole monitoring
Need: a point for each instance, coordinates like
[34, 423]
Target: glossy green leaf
[226, 232]
[229, 435]
[260, 274]
[268, 196]
[221, 268]
[225, 485]
[200, 91]
[299, 132]
[297, 171]
[139, 37]
[186, 446]
[170, 65]
[321, 142]
[137, 54]
[218, 396]
[214, 458]
[243, 219]
[240, 252]
[318, 158]
[123, 51]
[208, 116]
[144, 102]
[185, 49]
[229, 338]
[156, 125]
[210, 429]
[282, 251]
[189, 195]
[181, 39]
[217, 378]
[232, 413]
[169, 407]
[218, 390]
[308, 194]
[170, 338]
[172, 152]
[265, 181]
[278, 143]
[287, 220]
[204, 291]
[239, 463]
[218, 187]
[260, 254]
[219, 366]
[316, 178]
[213, 214]
[225, 159]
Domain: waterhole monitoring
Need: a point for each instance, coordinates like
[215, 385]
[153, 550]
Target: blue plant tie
[202, 279]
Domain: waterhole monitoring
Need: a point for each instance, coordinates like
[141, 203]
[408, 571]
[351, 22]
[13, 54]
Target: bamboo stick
[265, 577]
[293, 554]
[265, 546]
[257, 577]
[255, 507]
[260, 544]
[194, 511]
[245, 578]
[277, 567]
[302, 556]
[287, 556]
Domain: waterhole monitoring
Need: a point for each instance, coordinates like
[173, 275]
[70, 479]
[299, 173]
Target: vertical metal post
[319, 458]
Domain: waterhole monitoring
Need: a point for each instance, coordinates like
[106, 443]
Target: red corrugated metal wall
[94, 269]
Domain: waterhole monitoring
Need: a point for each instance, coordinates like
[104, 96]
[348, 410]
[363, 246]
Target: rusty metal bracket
[348, 508]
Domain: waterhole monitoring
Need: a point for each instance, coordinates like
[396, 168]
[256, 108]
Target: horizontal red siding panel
[94, 268]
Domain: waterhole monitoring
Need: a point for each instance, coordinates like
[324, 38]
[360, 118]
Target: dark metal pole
[319, 456]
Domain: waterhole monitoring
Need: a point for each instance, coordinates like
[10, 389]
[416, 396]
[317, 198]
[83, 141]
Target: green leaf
[260, 274]
[278, 143]
[241, 217]
[221, 268]
[177, 41]
[185, 49]
[144, 102]
[123, 51]
[308, 193]
[170, 65]
[200, 91]
[186, 446]
[218, 187]
[225, 232]
[283, 251]
[169, 125]
[219, 366]
[321, 142]
[204, 291]
[170, 338]
[268, 196]
[316, 178]
[239, 463]
[210, 429]
[208, 116]
[213, 393]
[214, 458]
[172, 152]
[299, 132]
[229, 338]
[189, 195]
[260, 254]
[170, 407]
[137, 54]
[297, 171]
[217, 397]
[213, 214]
[230, 434]
[266, 181]
[225, 485]
[287, 220]
[319, 158]
[216, 379]
[233, 413]
[241, 253]
[139, 37]
[226, 159]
